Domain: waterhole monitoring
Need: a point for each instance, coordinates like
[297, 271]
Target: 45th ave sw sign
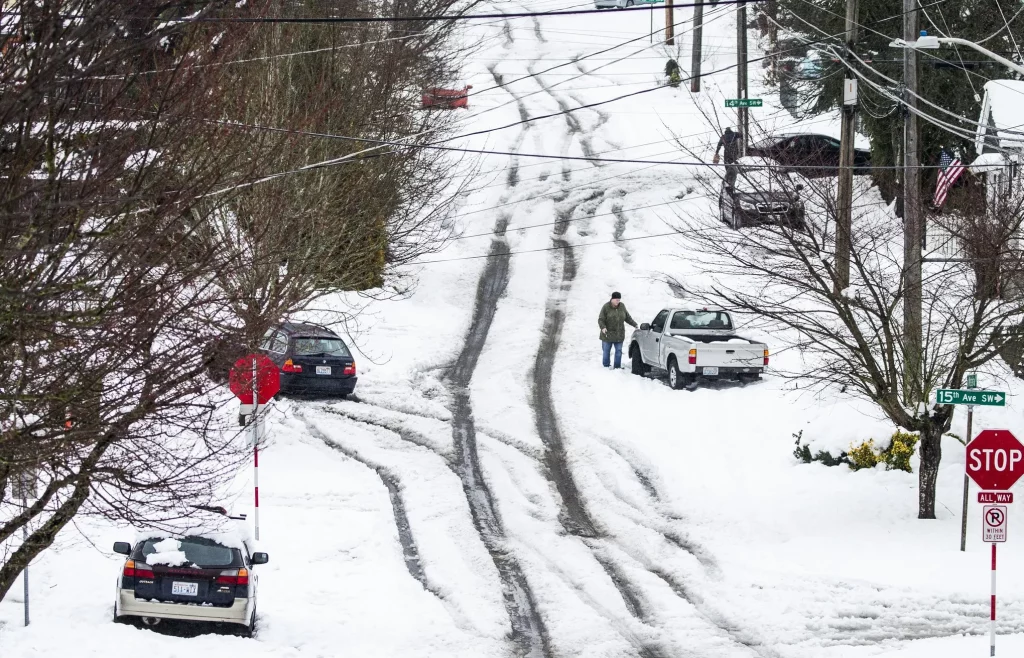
[961, 396]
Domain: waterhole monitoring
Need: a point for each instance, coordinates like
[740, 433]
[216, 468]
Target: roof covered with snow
[1002, 115]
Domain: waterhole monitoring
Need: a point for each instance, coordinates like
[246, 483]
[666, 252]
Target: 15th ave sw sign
[981, 398]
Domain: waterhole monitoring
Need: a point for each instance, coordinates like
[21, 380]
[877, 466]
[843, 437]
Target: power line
[398, 19]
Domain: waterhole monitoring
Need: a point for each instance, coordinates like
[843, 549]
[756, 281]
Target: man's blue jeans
[606, 348]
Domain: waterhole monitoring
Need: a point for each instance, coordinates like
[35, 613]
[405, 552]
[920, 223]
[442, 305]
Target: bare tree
[376, 200]
[852, 339]
[106, 300]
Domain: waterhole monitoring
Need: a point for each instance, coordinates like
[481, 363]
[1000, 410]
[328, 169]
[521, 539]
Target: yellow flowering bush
[864, 456]
[896, 457]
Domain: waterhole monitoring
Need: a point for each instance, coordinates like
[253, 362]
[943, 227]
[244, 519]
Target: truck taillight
[766, 357]
[350, 369]
[290, 367]
[692, 359]
[134, 569]
[233, 577]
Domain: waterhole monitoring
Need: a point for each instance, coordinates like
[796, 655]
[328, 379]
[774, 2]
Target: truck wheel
[636, 362]
[676, 379]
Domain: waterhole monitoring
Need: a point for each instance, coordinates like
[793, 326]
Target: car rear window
[198, 551]
[717, 320]
[316, 345]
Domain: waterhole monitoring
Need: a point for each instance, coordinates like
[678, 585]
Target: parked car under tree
[761, 193]
[313, 359]
[191, 576]
[810, 155]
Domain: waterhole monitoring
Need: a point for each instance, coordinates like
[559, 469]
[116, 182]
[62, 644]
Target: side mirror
[122, 547]
[260, 558]
[645, 326]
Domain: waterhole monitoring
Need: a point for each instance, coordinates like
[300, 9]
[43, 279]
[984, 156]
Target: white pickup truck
[695, 342]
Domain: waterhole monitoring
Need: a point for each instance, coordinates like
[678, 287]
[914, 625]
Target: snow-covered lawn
[495, 492]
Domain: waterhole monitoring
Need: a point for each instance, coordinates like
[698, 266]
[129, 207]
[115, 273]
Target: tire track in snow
[405, 537]
[575, 517]
[528, 632]
[575, 128]
[512, 178]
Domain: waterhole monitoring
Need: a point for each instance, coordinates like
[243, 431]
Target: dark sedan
[313, 360]
[812, 156]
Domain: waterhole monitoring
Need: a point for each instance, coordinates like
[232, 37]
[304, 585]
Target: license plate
[323, 370]
[711, 370]
[184, 589]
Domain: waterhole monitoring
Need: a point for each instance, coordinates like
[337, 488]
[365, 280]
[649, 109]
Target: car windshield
[308, 345]
[701, 320]
[200, 551]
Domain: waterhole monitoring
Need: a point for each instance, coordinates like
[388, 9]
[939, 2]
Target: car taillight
[693, 357]
[290, 367]
[766, 357]
[137, 570]
[233, 577]
[350, 369]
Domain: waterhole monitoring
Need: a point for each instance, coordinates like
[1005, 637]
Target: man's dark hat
[616, 295]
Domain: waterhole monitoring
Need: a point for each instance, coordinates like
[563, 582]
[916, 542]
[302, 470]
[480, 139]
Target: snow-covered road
[494, 492]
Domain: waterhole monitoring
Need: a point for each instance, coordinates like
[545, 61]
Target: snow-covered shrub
[864, 456]
[804, 454]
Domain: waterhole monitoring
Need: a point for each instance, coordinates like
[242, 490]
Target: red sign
[268, 379]
[995, 460]
[995, 497]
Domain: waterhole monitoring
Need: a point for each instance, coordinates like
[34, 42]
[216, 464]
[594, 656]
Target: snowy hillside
[494, 491]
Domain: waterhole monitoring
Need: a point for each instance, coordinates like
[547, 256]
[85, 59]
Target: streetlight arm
[970, 44]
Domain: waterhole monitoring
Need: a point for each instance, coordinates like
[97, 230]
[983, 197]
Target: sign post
[993, 531]
[254, 379]
[970, 397]
[995, 461]
[25, 488]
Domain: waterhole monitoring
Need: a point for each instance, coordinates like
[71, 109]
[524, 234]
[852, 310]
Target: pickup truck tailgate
[734, 355]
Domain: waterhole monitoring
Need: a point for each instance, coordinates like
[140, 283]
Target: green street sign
[960, 396]
[972, 380]
[743, 102]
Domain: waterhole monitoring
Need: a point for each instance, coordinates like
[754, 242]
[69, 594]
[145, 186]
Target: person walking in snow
[672, 72]
[612, 320]
[730, 142]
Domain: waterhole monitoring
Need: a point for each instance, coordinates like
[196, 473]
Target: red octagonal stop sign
[268, 379]
[995, 460]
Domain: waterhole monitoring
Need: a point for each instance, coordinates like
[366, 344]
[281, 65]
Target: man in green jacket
[612, 320]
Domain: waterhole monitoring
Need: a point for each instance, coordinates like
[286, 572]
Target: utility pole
[844, 202]
[741, 72]
[670, 24]
[698, 31]
[912, 224]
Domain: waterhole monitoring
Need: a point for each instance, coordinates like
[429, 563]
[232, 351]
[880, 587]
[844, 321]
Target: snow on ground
[494, 492]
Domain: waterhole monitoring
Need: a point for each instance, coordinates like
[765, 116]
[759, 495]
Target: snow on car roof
[226, 531]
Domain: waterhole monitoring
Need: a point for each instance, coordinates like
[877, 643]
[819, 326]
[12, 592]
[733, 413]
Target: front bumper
[129, 606]
[792, 217]
[609, 4]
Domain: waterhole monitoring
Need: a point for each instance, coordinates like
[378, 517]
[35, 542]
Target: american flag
[951, 170]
